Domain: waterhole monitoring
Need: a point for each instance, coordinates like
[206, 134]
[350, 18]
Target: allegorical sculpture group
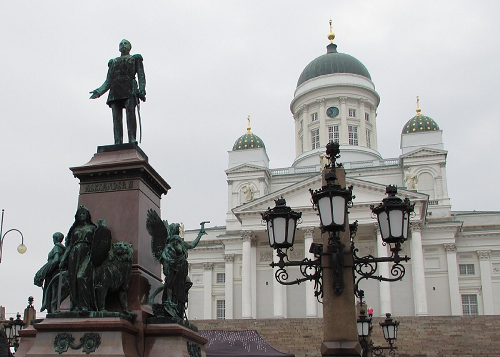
[170, 249]
[88, 266]
[85, 268]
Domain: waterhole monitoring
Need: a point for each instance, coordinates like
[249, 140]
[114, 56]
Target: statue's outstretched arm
[96, 93]
[194, 243]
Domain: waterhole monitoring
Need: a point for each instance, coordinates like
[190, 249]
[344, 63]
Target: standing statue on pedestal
[123, 91]
[44, 276]
[170, 249]
[77, 260]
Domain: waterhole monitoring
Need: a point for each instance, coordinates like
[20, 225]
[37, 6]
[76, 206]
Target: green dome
[248, 141]
[420, 123]
[333, 62]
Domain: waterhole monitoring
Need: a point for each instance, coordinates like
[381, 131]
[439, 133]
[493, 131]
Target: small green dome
[333, 62]
[420, 123]
[248, 141]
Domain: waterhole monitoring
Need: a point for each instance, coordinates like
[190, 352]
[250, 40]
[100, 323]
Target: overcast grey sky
[208, 65]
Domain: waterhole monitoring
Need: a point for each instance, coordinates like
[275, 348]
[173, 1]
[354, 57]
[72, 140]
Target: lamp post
[335, 262]
[21, 248]
[12, 329]
[389, 329]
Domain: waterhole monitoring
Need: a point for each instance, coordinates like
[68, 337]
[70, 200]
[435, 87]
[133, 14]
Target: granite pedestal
[118, 185]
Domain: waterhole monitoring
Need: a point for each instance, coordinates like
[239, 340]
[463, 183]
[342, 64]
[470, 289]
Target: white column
[246, 276]
[444, 183]
[373, 120]
[228, 286]
[278, 293]
[298, 148]
[253, 270]
[384, 286]
[311, 301]
[417, 267]
[451, 260]
[323, 132]
[229, 195]
[207, 290]
[344, 135]
[486, 288]
[306, 132]
[262, 187]
[362, 123]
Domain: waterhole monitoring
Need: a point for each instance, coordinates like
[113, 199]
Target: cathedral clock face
[332, 112]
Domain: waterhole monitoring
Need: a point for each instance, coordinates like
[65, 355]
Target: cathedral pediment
[298, 197]
[244, 168]
[424, 152]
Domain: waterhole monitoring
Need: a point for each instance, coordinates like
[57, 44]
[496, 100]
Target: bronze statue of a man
[123, 90]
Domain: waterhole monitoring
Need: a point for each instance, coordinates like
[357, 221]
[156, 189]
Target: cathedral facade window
[314, 117]
[469, 304]
[466, 269]
[352, 113]
[333, 133]
[314, 139]
[353, 135]
[221, 309]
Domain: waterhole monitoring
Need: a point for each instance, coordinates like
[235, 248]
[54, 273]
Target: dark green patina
[332, 62]
[170, 249]
[420, 123]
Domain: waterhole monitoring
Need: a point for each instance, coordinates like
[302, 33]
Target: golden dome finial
[418, 107]
[331, 35]
[249, 128]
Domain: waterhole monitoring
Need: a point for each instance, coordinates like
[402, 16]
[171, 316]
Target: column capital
[228, 258]
[208, 266]
[450, 248]
[247, 236]
[343, 100]
[321, 102]
[376, 228]
[484, 254]
[229, 182]
[416, 226]
[308, 231]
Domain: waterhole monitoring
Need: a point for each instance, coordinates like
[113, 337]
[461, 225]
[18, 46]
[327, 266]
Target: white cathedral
[455, 256]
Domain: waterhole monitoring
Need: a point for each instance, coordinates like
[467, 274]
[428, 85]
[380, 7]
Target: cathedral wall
[402, 294]
[438, 294]
[264, 292]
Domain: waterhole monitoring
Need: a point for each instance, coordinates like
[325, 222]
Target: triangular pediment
[424, 152]
[245, 168]
[297, 195]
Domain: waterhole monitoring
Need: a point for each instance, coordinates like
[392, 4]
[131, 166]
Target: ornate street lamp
[390, 329]
[364, 325]
[21, 248]
[332, 200]
[281, 224]
[12, 329]
[393, 216]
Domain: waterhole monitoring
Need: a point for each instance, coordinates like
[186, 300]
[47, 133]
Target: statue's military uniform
[121, 80]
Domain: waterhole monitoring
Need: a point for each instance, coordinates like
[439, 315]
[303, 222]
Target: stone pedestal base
[178, 340]
[341, 348]
[72, 337]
